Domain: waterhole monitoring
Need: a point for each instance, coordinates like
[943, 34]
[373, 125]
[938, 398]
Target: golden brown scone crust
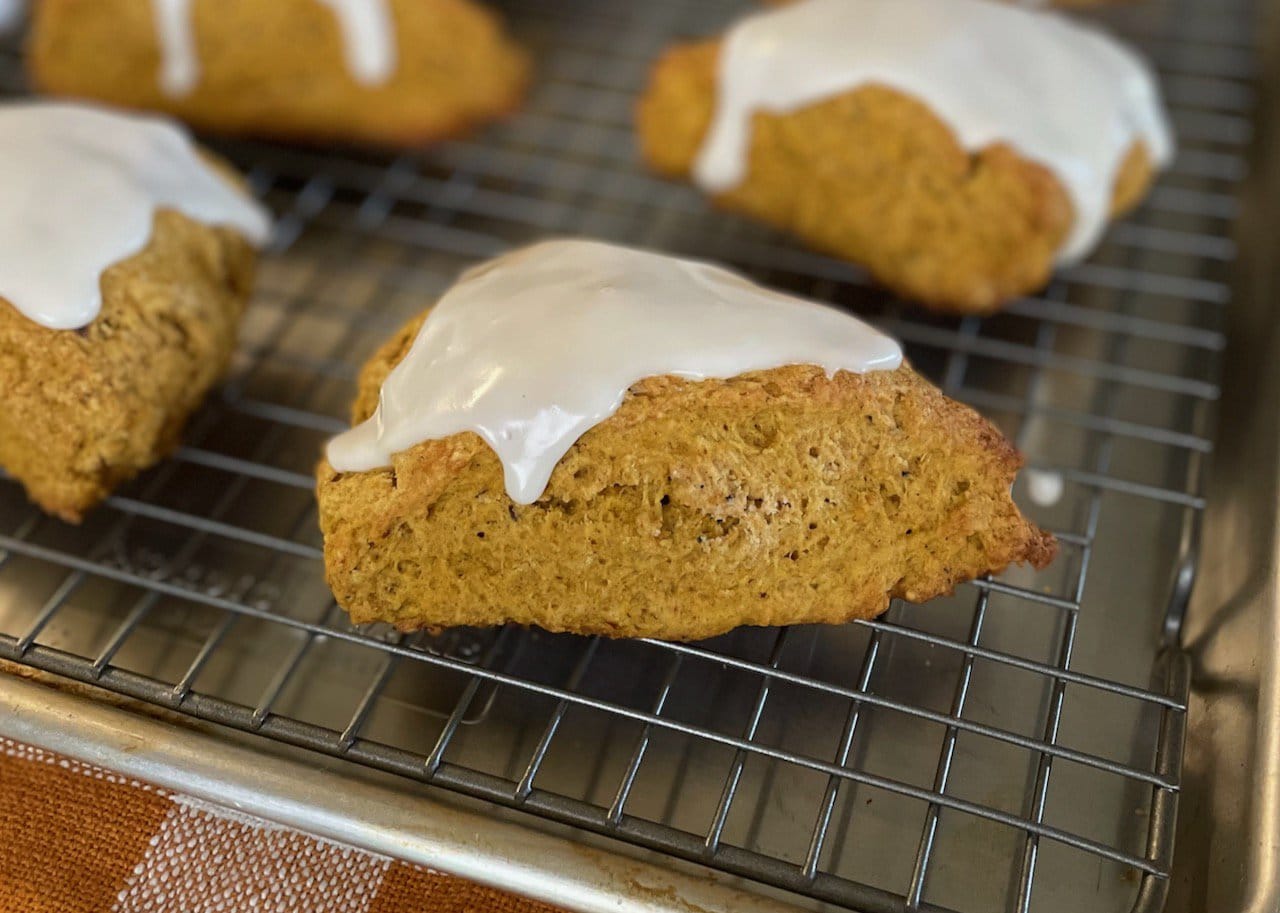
[778, 497]
[84, 410]
[277, 68]
[872, 175]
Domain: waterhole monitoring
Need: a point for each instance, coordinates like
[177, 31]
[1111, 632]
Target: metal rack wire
[1016, 746]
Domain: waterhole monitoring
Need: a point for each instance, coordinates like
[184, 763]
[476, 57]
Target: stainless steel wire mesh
[1016, 746]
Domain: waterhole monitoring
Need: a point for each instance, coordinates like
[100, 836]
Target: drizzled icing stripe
[532, 350]
[179, 67]
[368, 35]
[80, 193]
[1062, 94]
[368, 38]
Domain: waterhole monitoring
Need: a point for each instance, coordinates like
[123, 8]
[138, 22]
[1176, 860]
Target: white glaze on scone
[368, 40]
[1060, 93]
[533, 349]
[80, 193]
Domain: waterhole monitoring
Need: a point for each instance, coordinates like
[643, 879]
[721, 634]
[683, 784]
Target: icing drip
[1061, 93]
[368, 38]
[533, 349]
[81, 189]
[179, 68]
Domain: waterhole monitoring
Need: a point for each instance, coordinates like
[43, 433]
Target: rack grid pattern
[1006, 748]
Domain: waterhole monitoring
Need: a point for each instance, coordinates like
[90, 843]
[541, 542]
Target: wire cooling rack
[1014, 747]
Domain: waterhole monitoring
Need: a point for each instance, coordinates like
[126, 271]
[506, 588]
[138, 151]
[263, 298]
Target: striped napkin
[75, 838]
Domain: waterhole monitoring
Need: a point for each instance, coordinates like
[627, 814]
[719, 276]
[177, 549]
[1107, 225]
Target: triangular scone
[772, 498]
[874, 176]
[284, 68]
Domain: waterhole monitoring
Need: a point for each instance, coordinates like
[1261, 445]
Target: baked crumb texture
[277, 68]
[777, 497]
[84, 410]
[873, 176]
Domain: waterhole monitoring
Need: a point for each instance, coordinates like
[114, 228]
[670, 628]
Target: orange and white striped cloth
[75, 838]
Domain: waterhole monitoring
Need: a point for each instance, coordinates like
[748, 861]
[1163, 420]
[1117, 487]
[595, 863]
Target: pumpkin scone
[956, 148]
[600, 440]
[378, 72]
[126, 259]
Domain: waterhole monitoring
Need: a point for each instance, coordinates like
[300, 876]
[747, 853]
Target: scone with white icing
[381, 72]
[126, 259]
[600, 440]
[956, 148]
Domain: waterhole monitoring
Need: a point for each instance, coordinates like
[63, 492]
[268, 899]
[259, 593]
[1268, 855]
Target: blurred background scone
[956, 148]
[126, 260]
[382, 72]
